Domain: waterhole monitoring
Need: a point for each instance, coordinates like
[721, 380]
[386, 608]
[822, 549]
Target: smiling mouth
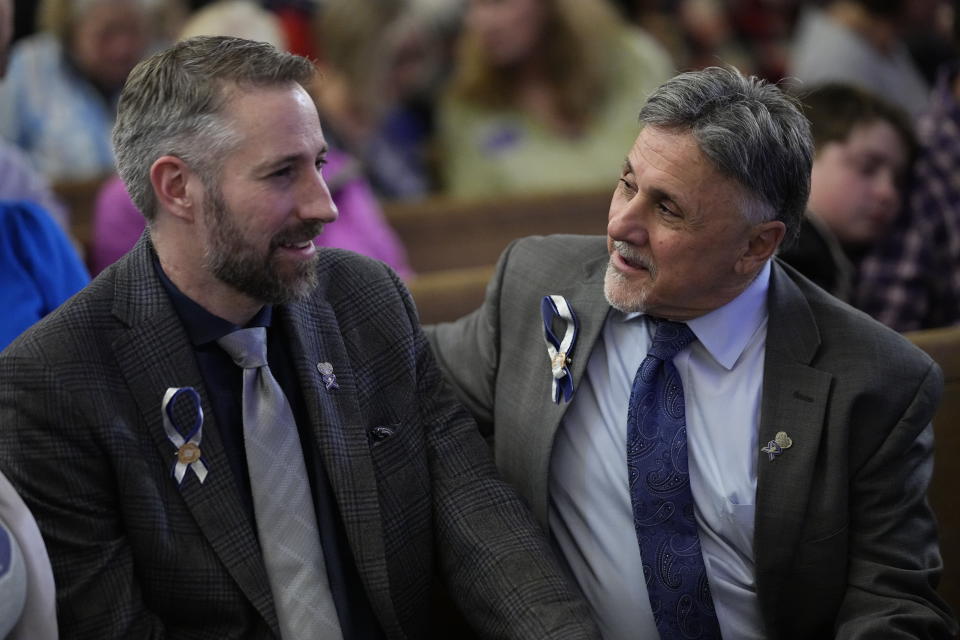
[297, 245]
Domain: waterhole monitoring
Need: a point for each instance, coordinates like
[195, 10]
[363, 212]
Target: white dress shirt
[591, 517]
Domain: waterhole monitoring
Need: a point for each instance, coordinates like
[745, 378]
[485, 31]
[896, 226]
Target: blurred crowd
[495, 98]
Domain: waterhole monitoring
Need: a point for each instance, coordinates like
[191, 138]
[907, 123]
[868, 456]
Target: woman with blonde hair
[546, 92]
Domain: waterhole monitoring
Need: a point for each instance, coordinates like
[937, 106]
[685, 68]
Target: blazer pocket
[379, 435]
[402, 474]
[398, 455]
[825, 551]
[818, 538]
[822, 566]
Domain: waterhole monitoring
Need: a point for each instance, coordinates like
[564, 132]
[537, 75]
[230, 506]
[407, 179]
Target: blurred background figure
[27, 592]
[912, 280]
[708, 37]
[859, 42]
[863, 149]
[235, 16]
[361, 226]
[544, 97]
[381, 61]
[39, 268]
[18, 179]
[59, 99]
[928, 30]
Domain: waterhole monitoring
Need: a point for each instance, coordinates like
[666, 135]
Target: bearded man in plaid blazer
[147, 502]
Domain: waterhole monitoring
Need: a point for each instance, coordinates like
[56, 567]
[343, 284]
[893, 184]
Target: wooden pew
[442, 296]
[440, 233]
[453, 245]
[943, 345]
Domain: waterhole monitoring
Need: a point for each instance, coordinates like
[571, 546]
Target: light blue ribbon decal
[187, 441]
[559, 349]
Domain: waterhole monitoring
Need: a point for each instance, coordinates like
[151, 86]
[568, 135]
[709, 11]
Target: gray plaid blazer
[844, 544]
[137, 556]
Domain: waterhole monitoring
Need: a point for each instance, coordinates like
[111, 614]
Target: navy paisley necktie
[660, 492]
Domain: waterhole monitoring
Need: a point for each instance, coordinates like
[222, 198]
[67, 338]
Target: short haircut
[173, 101]
[750, 130]
[835, 110]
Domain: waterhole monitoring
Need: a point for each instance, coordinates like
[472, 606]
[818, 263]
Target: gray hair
[751, 131]
[172, 104]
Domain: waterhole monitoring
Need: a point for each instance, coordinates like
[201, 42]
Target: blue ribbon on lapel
[188, 444]
[559, 349]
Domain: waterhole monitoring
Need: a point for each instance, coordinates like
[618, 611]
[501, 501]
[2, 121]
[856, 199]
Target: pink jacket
[361, 227]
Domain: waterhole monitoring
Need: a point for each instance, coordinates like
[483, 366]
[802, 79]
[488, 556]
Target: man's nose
[316, 203]
[627, 223]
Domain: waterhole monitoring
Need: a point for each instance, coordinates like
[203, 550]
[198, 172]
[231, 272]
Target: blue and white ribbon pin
[551, 308]
[187, 441]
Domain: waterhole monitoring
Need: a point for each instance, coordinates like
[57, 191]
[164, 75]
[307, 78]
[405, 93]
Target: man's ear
[172, 182]
[762, 244]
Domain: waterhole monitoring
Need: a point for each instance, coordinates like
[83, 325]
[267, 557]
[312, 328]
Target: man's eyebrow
[287, 159]
[626, 168]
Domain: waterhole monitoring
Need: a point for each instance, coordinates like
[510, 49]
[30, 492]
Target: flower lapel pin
[183, 423]
[778, 445]
[555, 309]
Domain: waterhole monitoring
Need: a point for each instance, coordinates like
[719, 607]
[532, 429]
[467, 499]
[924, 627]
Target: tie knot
[247, 347]
[669, 339]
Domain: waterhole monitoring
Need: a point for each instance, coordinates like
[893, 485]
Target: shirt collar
[202, 326]
[726, 331]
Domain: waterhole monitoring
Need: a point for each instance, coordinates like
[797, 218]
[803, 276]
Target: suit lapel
[585, 297]
[155, 354]
[795, 397]
[341, 441]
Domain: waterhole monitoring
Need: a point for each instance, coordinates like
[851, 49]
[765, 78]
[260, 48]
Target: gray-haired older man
[233, 434]
[715, 445]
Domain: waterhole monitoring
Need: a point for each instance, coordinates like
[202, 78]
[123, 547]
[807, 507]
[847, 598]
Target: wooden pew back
[440, 233]
[453, 245]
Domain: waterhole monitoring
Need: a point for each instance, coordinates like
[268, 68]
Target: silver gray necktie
[286, 521]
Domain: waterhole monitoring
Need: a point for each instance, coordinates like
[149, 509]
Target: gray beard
[615, 294]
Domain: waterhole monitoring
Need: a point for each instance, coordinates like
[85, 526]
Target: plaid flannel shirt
[912, 279]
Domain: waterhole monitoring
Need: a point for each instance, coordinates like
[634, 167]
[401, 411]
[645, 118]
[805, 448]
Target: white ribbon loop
[188, 446]
[552, 307]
